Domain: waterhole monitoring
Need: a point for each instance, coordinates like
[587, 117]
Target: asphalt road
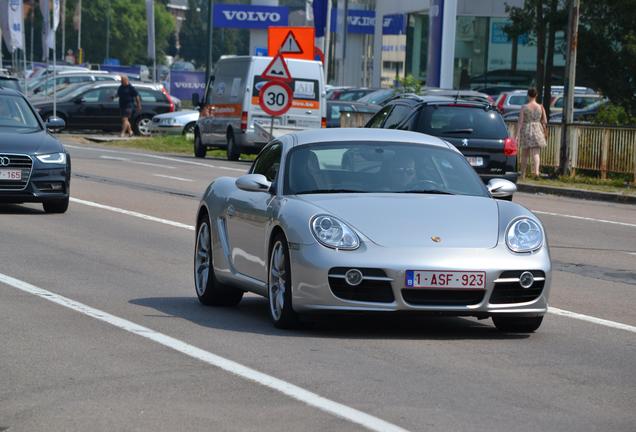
[149, 357]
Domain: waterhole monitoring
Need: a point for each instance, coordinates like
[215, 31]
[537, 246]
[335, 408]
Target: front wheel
[279, 286]
[56, 206]
[209, 290]
[199, 149]
[517, 324]
[233, 152]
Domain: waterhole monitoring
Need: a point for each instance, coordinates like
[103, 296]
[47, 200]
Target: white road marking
[552, 310]
[135, 162]
[592, 319]
[631, 253]
[298, 393]
[132, 213]
[172, 159]
[173, 177]
[584, 218]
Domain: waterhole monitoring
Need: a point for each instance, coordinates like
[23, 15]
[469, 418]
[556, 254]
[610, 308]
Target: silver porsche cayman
[371, 220]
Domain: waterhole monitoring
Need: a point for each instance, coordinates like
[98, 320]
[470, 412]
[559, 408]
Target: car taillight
[510, 147]
[500, 104]
[244, 121]
[163, 90]
[323, 122]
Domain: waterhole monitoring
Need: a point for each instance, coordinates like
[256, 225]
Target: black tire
[517, 324]
[282, 317]
[142, 125]
[189, 128]
[199, 149]
[56, 206]
[233, 150]
[209, 290]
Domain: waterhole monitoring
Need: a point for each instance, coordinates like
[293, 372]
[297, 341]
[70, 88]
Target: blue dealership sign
[249, 17]
[183, 84]
[363, 22]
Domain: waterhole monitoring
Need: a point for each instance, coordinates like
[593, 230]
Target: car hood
[409, 220]
[27, 142]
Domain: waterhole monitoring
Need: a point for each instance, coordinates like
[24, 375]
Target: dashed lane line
[173, 178]
[555, 311]
[166, 158]
[295, 392]
[589, 219]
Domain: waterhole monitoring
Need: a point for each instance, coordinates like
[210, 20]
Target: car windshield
[16, 113]
[372, 167]
[459, 121]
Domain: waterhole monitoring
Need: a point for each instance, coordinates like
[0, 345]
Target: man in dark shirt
[128, 99]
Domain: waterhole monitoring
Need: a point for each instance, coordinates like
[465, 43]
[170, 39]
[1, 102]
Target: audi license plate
[445, 279]
[475, 161]
[6, 174]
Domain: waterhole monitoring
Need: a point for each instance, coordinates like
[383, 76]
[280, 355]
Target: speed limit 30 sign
[275, 98]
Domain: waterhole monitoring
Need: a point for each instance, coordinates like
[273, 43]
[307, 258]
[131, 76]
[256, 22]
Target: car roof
[314, 136]
[9, 92]
[434, 99]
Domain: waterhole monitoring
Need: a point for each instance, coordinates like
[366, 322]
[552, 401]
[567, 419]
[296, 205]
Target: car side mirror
[501, 188]
[253, 183]
[195, 99]
[55, 124]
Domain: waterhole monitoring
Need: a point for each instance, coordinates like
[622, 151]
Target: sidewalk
[575, 192]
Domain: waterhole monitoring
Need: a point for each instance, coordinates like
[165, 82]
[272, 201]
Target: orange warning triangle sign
[277, 70]
[290, 45]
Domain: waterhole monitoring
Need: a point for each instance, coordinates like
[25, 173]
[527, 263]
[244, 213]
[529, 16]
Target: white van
[231, 108]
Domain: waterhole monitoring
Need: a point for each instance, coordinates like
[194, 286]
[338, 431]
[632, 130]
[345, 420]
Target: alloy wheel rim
[277, 284]
[202, 258]
[144, 126]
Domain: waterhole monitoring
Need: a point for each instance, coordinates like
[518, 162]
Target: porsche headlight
[53, 158]
[334, 233]
[524, 235]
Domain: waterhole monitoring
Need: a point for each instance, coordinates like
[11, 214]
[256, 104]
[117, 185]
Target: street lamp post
[208, 57]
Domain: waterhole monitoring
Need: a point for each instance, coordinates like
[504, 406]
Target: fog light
[526, 280]
[353, 277]
[57, 186]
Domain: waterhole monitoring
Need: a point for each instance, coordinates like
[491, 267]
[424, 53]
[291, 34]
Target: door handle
[231, 211]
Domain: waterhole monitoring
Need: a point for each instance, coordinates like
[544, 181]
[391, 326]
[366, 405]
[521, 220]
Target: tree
[606, 57]
[128, 30]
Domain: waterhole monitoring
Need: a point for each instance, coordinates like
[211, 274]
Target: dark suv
[475, 128]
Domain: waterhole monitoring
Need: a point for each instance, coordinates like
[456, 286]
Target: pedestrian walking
[532, 133]
[128, 99]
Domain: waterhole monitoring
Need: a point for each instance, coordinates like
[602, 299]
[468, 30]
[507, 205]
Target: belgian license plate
[476, 161]
[445, 279]
[10, 174]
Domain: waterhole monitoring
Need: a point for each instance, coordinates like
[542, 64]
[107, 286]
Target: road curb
[578, 193]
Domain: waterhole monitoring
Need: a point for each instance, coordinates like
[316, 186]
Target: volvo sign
[249, 17]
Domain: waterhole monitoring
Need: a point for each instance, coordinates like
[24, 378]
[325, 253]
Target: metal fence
[594, 148]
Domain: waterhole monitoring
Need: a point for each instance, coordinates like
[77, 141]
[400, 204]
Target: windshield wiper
[427, 191]
[458, 131]
[319, 191]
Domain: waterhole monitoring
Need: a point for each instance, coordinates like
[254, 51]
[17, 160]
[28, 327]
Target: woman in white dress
[532, 131]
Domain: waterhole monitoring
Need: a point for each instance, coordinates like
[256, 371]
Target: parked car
[580, 102]
[175, 123]
[46, 86]
[34, 166]
[96, 106]
[343, 220]
[230, 106]
[349, 94]
[511, 101]
[10, 82]
[475, 128]
[380, 97]
[495, 90]
[335, 109]
[585, 115]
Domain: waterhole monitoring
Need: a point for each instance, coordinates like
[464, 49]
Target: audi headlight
[524, 235]
[53, 158]
[334, 233]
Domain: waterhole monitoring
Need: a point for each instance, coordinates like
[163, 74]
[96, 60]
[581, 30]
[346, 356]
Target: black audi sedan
[34, 166]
